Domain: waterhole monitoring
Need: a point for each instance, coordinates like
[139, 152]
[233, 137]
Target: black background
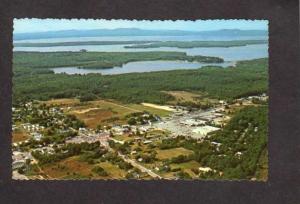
[283, 185]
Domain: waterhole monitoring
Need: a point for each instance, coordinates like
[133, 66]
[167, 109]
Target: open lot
[187, 166]
[170, 153]
[67, 168]
[19, 136]
[103, 112]
[185, 96]
[156, 111]
[123, 138]
[73, 167]
[113, 171]
[63, 102]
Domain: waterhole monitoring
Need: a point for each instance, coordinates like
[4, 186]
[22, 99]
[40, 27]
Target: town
[64, 139]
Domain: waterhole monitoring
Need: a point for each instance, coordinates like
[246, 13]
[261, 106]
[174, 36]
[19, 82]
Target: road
[128, 108]
[140, 167]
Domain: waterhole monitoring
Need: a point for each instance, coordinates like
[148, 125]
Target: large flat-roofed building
[204, 130]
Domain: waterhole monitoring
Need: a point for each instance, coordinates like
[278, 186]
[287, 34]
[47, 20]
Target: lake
[143, 66]
[230, 54]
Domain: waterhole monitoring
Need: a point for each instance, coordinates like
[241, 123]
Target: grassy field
[185, 96]
[63, 102]
[67, 168]
[101, 112]
[73, 167]
[94, 113]
[187, 166]
[113, 171]
[170, 153]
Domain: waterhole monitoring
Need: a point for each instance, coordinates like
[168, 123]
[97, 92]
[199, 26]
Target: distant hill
[135, 32]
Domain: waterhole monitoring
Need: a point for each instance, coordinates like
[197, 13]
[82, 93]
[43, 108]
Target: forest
[235, 150]
[32, 79]
[99, 60]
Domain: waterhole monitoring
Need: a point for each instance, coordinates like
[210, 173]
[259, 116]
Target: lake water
[143, 66]
[230, 55]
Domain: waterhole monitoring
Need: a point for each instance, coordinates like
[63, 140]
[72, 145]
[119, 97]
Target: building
[205, 169]
[193, 122]
[204, 130]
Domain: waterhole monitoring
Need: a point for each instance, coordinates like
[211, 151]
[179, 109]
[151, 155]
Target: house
[238, 154]
[205, 169]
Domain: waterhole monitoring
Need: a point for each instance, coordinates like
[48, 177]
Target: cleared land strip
[142, 168]
[115, 104]
[167, 108]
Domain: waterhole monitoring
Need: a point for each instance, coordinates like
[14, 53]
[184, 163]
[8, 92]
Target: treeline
[247, 78]
[77, 43]
[193, 44]
[98, 60]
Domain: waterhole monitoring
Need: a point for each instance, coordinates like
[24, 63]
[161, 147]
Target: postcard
[139, 99]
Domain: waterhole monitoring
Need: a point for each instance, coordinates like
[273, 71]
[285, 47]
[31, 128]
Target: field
[189, 97]
[74, 168]
[170, 153]
[187, 166]
[156, 111]
[63, 102]
[102, 112]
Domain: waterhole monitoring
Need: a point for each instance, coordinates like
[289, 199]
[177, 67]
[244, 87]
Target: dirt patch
[68, 167]
[166, 108]
[19, 136]
[93, 117]
[62, 102]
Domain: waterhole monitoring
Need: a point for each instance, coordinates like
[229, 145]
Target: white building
[204, 130]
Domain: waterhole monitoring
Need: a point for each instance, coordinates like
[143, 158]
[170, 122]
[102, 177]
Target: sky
[44, 25]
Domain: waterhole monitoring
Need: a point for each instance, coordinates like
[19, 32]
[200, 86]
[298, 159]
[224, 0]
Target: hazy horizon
[53, 25]
[140, 29]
